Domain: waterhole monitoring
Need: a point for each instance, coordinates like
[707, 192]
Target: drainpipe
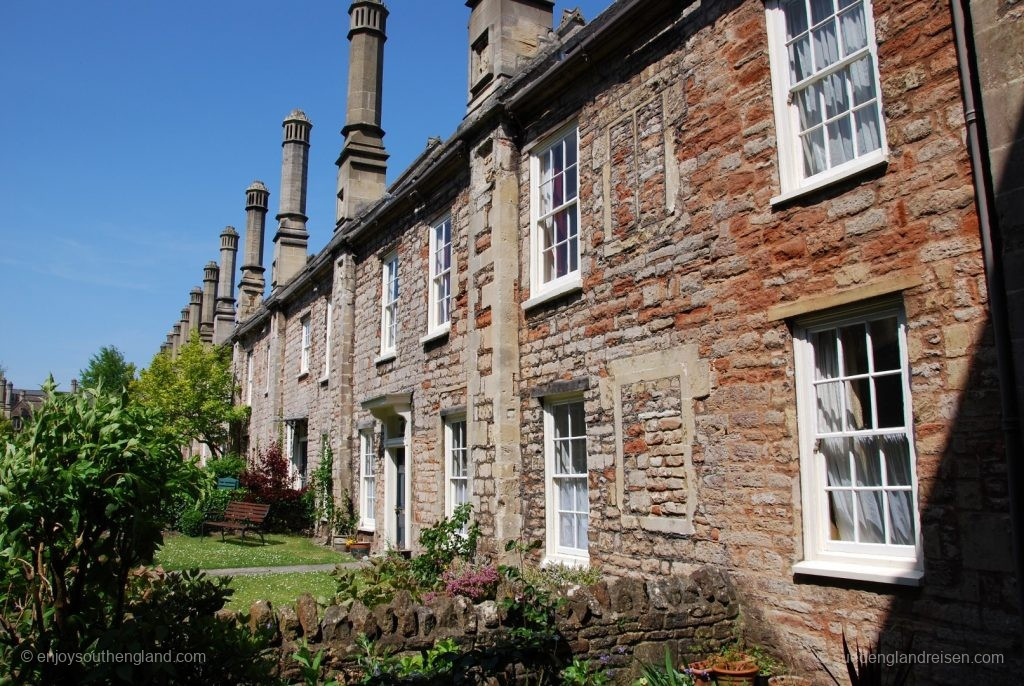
[991, 246]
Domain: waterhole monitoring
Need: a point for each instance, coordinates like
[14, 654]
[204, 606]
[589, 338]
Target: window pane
[574, 250]
[557, 162]
[826, 45]
[570, 183]
[869, 517]
[563, 458]
[820, 9]
[545, 197]
[830, 408]
[800, 66]
[901, 518]
[868, 137]
[809, 106]
[889, 400]
[582, 496]
[579, 455]
[863, 78]
[855, 354]
[840, 141]
[813, 143]
[834, 89]
[570, 149]
[566, 530]
[582, 522]
[854, 30]
[796, 17]
[576, 424]
[866, 461]
[561, 414]
[840, 506]
[561, 259]
[837, 460]
[897, 460]
[858, 404]
[826, 356]
[885, 348]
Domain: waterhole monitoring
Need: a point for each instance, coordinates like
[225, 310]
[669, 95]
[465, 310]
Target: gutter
[991, 246]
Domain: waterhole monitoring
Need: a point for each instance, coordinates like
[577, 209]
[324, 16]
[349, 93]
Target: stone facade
[679, 338]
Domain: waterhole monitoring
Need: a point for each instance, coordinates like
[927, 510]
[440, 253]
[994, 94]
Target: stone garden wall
[611, 623]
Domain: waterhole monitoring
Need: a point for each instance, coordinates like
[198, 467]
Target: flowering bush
[268, 480]
[476, 583]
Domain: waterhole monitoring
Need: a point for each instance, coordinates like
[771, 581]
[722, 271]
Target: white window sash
[389, 305]
[304, 359]
[440, 280]
[248, 377]
[367, 482]
[328, 316]
[452, 480]
[819, 547]
[557, 551]
[538, 286]
[792, 179]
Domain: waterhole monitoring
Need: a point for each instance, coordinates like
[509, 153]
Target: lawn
[185, 552]
[280, 589]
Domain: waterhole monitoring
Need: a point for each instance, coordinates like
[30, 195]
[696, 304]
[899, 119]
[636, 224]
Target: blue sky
[131, 130]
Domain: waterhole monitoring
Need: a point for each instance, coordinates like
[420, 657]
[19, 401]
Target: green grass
[184, 552]
[280, 589]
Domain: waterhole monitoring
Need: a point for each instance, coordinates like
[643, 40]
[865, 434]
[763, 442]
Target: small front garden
[279, 589]
[209, 552]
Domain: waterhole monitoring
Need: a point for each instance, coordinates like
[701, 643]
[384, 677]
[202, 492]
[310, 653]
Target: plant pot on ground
[359, 549]
[734, 672]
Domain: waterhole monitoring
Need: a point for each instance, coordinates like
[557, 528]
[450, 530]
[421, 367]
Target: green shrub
[83, 495]
[450, 539]
[229, 465]
[191, 522]
[378, 583]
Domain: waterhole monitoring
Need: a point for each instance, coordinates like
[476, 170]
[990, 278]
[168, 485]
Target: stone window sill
[863, 165]
[576, 561]
[437, 334]
[385, 357]
[570, 286]
[899, 576]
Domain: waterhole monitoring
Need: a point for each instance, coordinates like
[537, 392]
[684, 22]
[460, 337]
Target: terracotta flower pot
[734, 672]
[359, 549]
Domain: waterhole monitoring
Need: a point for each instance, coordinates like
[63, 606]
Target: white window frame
[885, 563]
[540, 289]
[307, 343]
[389, 306]
[451, 478]
[270, 356]
[328, 316]
[792, 180]
[248, 377]
[556, 553]
[442, 281]
[367, 482]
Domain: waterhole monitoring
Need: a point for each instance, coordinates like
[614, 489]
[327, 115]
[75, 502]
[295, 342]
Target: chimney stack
[503, 35]
[175, 339]
[10, 395]
[253, 284]
[362, 164]
[224, 321]
[74, 385]
[3, 395]
[195, 307]
[186, 328]
[211, 273]
[291, 240]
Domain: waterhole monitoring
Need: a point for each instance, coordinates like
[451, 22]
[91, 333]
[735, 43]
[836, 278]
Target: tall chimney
[503, 35]
[176, 339]
[10, 395]
[186, 328]
[3, 395]
[252, 285]
[211, 273]
[224, 321]
[362, 164]
[74, 385]
[195, 307]
[290, 242]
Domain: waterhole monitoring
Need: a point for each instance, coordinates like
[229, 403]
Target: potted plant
[344, 526]
[733, 667]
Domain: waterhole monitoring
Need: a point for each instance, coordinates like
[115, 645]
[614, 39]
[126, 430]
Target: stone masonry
[681, 334]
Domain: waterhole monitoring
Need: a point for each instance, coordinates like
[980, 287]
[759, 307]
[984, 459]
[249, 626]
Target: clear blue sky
[131, 130]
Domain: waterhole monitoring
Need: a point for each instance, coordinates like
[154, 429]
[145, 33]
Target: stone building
[692, 283]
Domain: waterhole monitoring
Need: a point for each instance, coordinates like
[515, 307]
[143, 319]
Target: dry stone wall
[615, 623]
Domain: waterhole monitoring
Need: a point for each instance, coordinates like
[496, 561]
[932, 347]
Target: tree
[194, 394]
[109, 370]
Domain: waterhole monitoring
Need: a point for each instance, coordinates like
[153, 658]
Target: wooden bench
[241, 516]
